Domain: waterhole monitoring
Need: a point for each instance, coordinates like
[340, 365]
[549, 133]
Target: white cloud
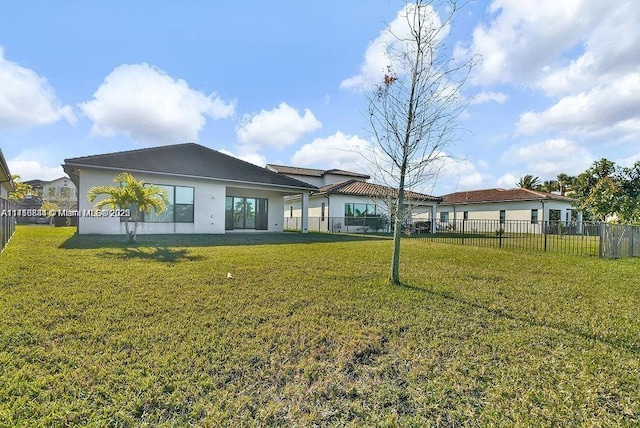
[251, 157]
[276, 128]
[377, 58]
[147, 104]
[32, 169]
[459, 174]
[526, 40]
[549, 158]
[606, 110]
[507, 181]
[339, 151]
[27, 99]
[489, 96]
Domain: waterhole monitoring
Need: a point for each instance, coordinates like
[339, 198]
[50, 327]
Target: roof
[190, 160]
[5, 175]
[311, 172]
[362, 188]
[500, 195]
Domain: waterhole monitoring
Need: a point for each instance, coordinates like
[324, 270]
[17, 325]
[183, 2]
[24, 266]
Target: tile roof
[362, 188]
[312, 172]
[500, 195]
[189, 159]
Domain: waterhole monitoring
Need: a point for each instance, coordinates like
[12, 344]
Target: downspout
[328, 215]
[544, 228]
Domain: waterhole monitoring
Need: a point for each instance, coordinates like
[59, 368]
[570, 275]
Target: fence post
[601, 235]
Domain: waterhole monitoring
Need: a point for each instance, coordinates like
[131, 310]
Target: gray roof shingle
[188, 159]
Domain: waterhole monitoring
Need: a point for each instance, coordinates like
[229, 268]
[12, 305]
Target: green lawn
[308, 332]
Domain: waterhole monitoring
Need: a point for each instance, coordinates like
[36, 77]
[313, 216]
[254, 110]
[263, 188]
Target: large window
[179, 207]
[444, 216]
[554, 216]
[362, 215]
[246, 213]
[503, 216]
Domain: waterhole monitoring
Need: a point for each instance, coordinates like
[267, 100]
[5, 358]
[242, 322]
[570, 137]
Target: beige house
[522, 209]
[346, 202]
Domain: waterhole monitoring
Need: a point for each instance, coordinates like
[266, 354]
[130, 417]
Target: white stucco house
[521, 209]
[209, 192]
[346, 202]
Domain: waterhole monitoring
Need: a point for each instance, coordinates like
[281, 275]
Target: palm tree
[529, 182]
[565, 182]
[130, 194]
[548, 186]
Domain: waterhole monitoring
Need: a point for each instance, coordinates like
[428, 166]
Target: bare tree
[413, 111]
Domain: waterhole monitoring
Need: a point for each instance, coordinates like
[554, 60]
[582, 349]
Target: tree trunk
[394, 277]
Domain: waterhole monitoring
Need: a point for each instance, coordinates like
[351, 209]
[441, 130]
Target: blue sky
[558, 86]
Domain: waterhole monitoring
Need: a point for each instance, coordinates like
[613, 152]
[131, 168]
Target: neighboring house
[60, 191]
[345, 202]
[209, 192]
[7, 218]
[491, 209]
[317, 177]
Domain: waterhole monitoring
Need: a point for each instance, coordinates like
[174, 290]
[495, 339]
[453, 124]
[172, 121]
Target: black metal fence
[7, 221]
[357, 225]
[579, 238]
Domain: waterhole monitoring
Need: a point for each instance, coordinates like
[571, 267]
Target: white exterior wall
[315, 181]
[334, 178]
[517, 210]
[56, 185]
[335, 212]
[209, 205]
[325, 179]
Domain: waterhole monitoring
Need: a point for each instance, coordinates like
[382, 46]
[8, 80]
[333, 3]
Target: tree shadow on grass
[210, 240]
[159, 254]
[565, 328]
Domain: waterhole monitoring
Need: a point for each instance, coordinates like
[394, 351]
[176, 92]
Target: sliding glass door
[246, 213]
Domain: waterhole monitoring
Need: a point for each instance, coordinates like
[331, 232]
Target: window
[534, 216]
[362, 215]
[65, 192]
[179, 207]
[52, 192]
[465, 215]
[322, 212]
[554, 216]
[183, 209]
[503, 216]
[444, 216]
[246, 213]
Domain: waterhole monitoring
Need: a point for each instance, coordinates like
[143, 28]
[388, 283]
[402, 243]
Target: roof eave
[309, 187]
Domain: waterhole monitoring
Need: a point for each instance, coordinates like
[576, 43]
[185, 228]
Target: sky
[556, 88]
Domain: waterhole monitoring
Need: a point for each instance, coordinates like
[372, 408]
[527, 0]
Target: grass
[308, 333]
